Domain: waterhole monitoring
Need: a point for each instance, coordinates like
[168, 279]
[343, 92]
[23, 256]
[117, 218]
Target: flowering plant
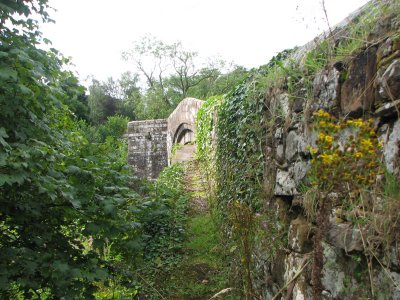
[346, 155]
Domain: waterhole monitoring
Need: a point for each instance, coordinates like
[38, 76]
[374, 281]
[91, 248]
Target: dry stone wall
[364, 84]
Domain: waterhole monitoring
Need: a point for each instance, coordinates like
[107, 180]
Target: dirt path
[198, 198]
[202, 272]
[186, 153]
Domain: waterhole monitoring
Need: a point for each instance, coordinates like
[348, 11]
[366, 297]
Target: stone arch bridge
[150, 141]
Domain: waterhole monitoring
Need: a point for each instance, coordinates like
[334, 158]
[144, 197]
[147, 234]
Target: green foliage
[120, 97]
[101, 103]
[64, 199]
[152, 106]
[70, 226]
[202, 271]
[19, 12]
[231, 141]
[243, 221]
[218, 82]
[38, 228]
[347, 43]
[170, 73]
[176, 147]
[74, 96]
[239, 154]
[317, 58]
[206, 125]
[163, 224]
[114, 127]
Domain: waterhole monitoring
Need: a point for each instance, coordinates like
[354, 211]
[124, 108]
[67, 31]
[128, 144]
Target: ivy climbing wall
[303, 164]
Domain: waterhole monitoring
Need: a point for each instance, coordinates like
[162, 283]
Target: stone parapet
[147, 147]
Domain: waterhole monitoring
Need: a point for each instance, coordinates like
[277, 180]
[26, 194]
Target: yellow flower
[359, 177]
[366, 143]
[321, 136]
[322, 114]
[327, 158]
[328, 139]
[322, 123]
[313, 151]
[380, 144]
[358, 123]
[358, 155]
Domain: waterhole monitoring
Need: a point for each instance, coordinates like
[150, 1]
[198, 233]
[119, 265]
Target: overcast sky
[249, 32]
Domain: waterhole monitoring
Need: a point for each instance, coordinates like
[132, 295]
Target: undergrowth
[344, 43]
[203, 269]
[234, 167]
[164, 225]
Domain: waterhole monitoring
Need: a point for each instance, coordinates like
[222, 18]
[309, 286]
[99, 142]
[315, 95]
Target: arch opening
[184, 134]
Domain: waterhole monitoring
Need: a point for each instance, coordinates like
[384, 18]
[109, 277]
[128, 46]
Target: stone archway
[182, 123]
[184, 134]
[150, 141]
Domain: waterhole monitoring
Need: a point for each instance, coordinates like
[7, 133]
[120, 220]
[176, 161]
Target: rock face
[391, 140]
[389, 81]
[326, 89]
[356, 92]
[364, 84]
[150, 141]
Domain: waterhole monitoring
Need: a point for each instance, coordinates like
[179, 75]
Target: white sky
[249, 32]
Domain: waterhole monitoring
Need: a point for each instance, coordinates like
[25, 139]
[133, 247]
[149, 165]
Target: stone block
[345, 236]
[300, 235]
[326, 89]
[295, 145]
[391, 142]
[285, 184]
[357, 94]
[288, 180]
[147, 147]
[388, 83]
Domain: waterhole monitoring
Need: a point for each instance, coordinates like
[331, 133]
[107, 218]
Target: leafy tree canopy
[62, 198]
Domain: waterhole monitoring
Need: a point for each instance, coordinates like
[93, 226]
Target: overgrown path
[201, 272]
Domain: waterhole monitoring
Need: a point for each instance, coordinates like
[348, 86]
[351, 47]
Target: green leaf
[3, 134]
[25, 90]
[7, 74]
[61, 266]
